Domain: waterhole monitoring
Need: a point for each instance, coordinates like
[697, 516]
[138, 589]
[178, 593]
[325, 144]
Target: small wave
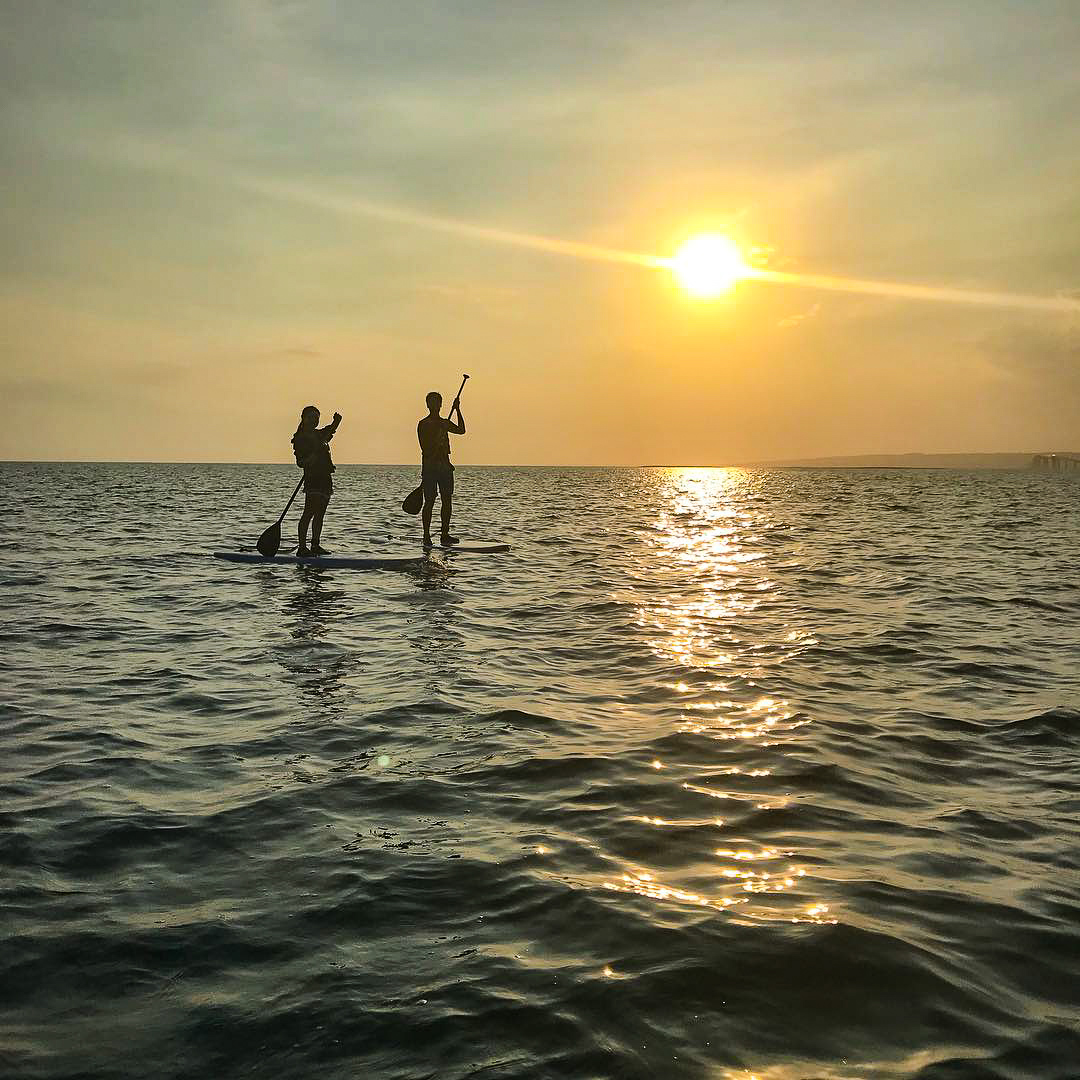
[1049, 1052]
[1055, 727]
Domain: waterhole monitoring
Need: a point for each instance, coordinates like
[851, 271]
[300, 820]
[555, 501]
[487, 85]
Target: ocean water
[717, 774]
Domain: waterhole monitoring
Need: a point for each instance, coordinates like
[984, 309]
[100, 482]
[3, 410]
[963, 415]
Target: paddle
[270, 540]
[414, 501]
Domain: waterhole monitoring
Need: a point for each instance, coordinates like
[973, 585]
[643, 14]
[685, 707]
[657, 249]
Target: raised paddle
[457, 396]
[414, 501]
[270, 540]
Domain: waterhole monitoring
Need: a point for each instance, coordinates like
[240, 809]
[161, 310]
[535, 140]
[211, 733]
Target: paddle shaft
[290, 502]
[457, 398]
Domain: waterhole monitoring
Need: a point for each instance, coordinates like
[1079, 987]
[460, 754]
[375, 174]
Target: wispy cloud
[800, 317]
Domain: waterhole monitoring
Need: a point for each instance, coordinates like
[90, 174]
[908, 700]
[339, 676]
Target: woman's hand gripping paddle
[414, 501]
[270, 540]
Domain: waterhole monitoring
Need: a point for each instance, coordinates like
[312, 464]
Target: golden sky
[219, 213]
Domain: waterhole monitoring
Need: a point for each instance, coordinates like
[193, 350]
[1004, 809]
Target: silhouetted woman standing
[312, 450]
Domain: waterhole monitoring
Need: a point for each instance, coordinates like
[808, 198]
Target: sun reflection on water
[712, 611]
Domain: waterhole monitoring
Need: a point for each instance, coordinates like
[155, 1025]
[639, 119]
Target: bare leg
[305, 519]
[429, 505]
[447, 510]
[446, 493]
[316, 524]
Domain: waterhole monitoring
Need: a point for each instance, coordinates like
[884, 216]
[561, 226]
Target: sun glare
[708, 264]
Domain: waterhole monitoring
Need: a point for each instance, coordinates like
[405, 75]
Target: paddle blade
[413, 501]
[270, 541]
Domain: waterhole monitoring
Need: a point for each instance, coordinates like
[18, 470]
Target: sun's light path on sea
[699, 609]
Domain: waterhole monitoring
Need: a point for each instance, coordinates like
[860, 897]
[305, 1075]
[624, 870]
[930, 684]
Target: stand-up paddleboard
[330, 562]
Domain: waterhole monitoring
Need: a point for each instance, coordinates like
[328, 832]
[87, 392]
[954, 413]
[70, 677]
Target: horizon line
[756, 462]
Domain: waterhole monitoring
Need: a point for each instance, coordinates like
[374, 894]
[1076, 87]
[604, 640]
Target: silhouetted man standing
[437, 474]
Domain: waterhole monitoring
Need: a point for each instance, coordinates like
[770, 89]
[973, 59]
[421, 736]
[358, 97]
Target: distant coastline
[912, 461]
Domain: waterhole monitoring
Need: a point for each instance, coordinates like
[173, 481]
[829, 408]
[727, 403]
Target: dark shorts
[437, 478]
[319, 486]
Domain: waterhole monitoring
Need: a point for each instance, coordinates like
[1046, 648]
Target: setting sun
[708, 264]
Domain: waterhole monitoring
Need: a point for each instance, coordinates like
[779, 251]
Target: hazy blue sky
[187, 259]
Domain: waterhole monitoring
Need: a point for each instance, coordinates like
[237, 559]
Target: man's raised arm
[459, 427]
